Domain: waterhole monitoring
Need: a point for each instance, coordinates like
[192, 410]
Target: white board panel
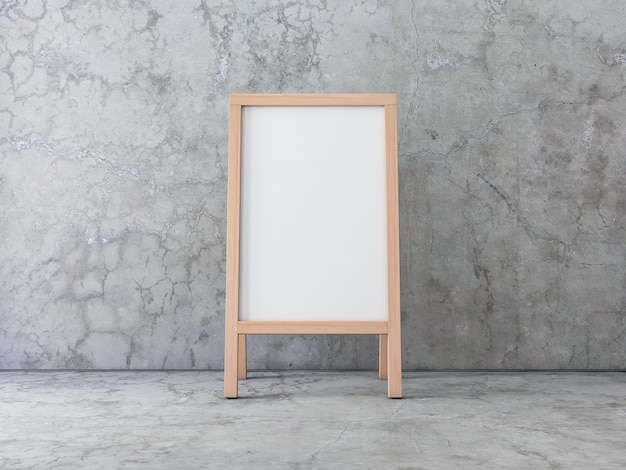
[313, 214]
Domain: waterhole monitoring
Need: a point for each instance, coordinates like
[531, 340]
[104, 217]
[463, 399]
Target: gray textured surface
[306, 420]
[113, 146]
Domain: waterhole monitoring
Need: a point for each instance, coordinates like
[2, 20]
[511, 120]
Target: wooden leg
[394, 361]
[242, 365]
[231, 350]
[382, 357]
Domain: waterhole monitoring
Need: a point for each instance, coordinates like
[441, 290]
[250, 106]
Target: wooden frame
[389, 331]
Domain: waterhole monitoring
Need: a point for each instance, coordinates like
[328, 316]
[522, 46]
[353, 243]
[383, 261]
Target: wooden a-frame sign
[312, 241]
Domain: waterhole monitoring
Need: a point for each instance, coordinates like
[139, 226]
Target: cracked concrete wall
[113, 151]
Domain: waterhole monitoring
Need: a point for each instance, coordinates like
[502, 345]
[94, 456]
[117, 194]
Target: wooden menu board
[312, 243]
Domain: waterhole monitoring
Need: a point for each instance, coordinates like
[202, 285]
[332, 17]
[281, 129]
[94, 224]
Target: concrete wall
[113, 152]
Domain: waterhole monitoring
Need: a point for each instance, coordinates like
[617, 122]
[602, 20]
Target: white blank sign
[313, 231]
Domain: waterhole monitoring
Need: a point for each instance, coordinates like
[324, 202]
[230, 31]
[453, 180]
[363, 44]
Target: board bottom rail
[312, 328]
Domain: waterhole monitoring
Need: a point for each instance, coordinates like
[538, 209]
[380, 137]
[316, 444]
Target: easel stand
[388, 330]
[389, 358]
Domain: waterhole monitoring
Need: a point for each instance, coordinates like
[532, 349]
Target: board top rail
[306, 99]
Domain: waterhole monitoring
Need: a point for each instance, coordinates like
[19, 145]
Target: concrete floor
[306, 419]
